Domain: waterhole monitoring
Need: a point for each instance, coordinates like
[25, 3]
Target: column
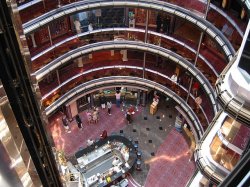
[58, 77]
[90, 56]
[145, 40]
[198, 50]
[138, 97]
[91, 100]
[33, 40]
[112, 52]
[144, 94]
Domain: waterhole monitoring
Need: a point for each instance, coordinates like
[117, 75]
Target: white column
[90, 56]
[33, 40]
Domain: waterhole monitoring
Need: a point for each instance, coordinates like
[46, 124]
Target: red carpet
[71, 142]
[170, 166]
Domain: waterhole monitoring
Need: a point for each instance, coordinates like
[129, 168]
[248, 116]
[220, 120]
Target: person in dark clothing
[66, 124]
[158, 23]
[79, 122]
[166, 24]
[103, 101]
[128, 117]
[104, 134]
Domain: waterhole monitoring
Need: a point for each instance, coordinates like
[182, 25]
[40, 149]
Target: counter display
[105, 161]
[128, 96]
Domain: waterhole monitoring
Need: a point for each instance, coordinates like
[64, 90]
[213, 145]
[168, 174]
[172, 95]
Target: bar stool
[138, 154]
[136, 147]
[138, 165]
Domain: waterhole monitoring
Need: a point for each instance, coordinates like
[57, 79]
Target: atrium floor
[165, 152]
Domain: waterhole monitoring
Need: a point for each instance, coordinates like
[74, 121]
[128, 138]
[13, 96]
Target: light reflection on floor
[166, 158]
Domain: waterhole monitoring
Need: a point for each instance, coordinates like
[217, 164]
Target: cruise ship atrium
[124, 93]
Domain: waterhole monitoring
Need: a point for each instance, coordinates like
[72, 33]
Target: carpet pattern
[71, 142]
[170, 166]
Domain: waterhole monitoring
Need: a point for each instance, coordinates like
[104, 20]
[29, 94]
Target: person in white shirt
[90, 142]
[90, 27]
[174, 78]
[118, 98]
[115, 161]
[109, 104]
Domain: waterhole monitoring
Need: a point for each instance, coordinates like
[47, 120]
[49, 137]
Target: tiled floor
[155, 135]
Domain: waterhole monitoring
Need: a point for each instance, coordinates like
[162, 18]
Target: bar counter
[106, 161]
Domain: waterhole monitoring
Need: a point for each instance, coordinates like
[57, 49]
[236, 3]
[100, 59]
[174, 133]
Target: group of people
[66, 122]
[93, 115]
[104, 102]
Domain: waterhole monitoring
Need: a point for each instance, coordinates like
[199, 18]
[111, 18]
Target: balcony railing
[112, 81]
[202, 24]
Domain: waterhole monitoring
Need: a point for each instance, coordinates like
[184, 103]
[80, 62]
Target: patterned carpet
[170, 162]
[71, 142]
[170, 166]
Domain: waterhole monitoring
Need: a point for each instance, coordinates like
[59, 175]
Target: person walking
[118, 98]
[109, 104]
[79, 122]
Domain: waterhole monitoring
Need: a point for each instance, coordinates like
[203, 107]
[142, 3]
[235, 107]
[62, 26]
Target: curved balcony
[206, 164]
[198, 6]
[202, 24]
[111, 81]
[159, 77]
[128, 31]
[233, 85]
[130, 45]
[221, 147]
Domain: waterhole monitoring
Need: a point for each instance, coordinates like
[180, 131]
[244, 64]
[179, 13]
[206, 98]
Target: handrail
[221, 12]
[69, 9]
[119, 66]
[228, 144]
[131, 45]
[86, 87]
[203, 158]
[119, 29]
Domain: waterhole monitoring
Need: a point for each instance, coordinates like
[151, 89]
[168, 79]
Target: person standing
[95, 116]
[77, 26]
[174, 81]
[198, 101]
[104, 134]
[109, 104]
[90, 27]
[66, 124]
[158, 23]
[118, 98]
[128, 117]
[79, 122]
[103, 101]
[89, 117]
